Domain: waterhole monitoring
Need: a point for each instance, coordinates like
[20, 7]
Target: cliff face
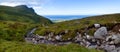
[21, 13]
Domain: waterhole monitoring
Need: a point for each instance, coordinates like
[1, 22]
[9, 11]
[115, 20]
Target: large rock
[116, 50]
[116, 38]
[101, 33]
[109, 48]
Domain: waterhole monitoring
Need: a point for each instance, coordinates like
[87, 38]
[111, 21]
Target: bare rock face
[101, 33]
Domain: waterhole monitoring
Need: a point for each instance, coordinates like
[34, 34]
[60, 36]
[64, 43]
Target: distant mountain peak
[21, 13]
[26, 8]
[22, 6]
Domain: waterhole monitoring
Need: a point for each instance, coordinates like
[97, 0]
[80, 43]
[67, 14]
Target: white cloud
[11, 3]
[23, 2]
[36, 4]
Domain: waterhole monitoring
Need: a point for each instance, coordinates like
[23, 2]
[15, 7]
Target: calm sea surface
[65, 17]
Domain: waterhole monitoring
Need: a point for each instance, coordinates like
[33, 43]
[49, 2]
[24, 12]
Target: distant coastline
[60, 18]
[65, 17]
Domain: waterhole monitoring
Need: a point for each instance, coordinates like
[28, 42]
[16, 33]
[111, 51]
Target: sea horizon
[66, 17]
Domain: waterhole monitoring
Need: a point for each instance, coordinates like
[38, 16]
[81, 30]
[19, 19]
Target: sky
[68, 7]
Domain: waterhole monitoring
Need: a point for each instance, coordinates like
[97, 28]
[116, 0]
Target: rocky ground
[109, 41]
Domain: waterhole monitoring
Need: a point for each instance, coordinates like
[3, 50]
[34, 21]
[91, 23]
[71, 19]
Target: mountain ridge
[22, 13]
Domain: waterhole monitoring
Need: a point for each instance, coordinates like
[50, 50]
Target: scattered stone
[58, 37]
[97, 25]
[108, 43]
[116, 38]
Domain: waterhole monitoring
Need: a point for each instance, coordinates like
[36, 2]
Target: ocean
[65, 17]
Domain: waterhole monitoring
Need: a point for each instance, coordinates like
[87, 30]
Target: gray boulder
[109, 48]
[116, 38]
[101, 33]
[116, 50]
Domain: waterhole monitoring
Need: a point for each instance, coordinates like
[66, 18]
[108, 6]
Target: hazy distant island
[21, 29]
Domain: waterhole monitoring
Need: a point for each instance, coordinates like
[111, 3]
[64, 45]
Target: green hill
[80, 24]
[21, 14]
[16, 21]
[12, 40]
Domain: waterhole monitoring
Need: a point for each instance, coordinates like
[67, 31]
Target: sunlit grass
[12, 46]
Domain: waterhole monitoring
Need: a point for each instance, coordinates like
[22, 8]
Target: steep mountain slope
[22, 14]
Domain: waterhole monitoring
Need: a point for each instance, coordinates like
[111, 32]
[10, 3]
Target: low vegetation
[80, 24]
[12, 46]
[10, 30]
[15, 22]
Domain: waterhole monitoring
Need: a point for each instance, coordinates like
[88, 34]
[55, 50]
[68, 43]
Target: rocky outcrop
[103, 39]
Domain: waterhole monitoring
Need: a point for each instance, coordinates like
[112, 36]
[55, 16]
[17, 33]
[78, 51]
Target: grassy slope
[10, 30]
[16, 21]
[8, 46]
[14, 32]
[21, 14]
[12, 40]
[80, 24]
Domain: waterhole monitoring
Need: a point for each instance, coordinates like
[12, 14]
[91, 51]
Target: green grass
[13, 33]
[12, 46]
[80, 24]
[15, 22]
[10, 30]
